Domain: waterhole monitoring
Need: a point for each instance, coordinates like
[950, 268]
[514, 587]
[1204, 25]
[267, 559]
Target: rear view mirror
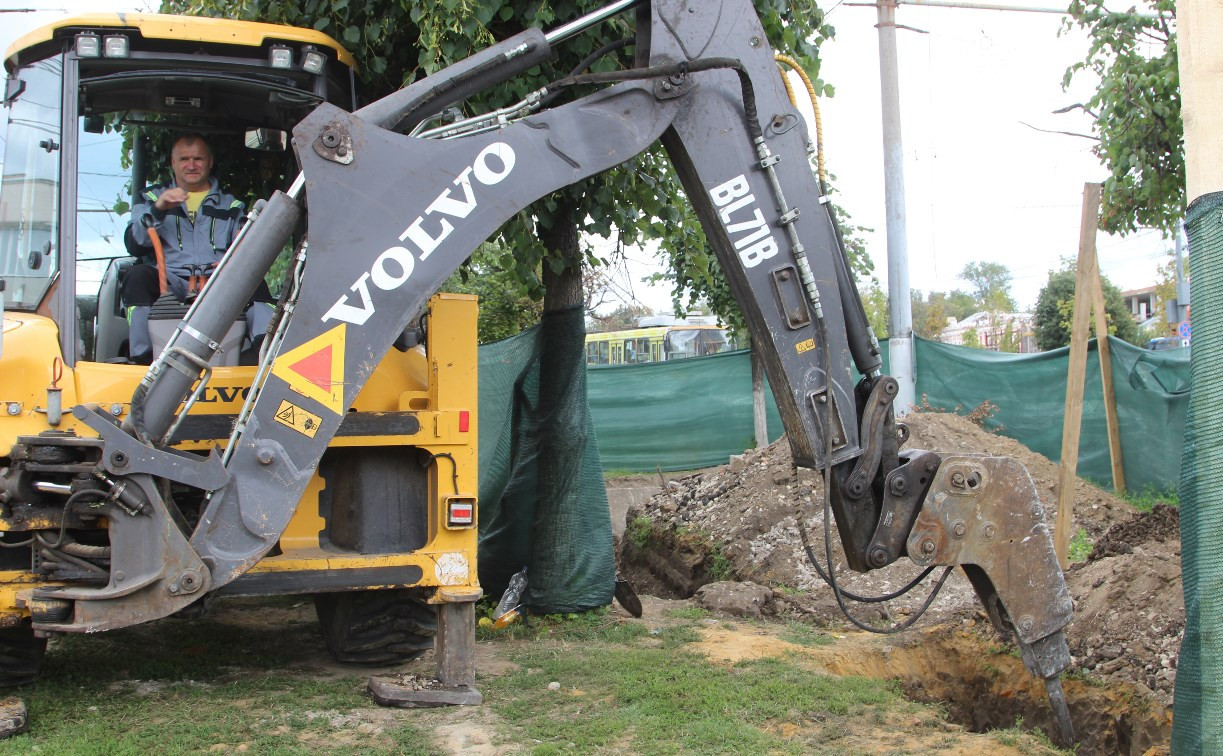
[270, 140]
[13, 87]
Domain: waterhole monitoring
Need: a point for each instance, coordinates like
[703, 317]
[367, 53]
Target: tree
[875, 302]
[971, 339]
[398, 41]
[506, 308]
[930, 314]
[1136, 112]
[623, 317]
[991, 286]
[1055, 311]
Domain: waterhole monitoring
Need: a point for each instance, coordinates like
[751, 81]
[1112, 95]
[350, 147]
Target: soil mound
[745, 518]
[1129, 603]
[741, 522]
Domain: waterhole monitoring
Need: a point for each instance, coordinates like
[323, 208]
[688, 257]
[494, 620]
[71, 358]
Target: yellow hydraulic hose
[815, 107]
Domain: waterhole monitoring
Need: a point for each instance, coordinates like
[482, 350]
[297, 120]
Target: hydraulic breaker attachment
[983, 514]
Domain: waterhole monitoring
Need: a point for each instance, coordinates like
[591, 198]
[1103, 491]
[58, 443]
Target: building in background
[995, 331]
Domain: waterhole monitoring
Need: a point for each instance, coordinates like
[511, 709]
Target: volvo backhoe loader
[385, 207]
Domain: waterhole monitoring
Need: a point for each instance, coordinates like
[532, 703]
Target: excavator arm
[389, 216]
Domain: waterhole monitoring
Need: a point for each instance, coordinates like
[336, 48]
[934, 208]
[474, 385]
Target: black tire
[21, 656]
[376, 627]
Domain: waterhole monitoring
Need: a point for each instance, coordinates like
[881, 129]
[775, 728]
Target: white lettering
[732, 207]
[723, 193]
[447, 205]
[491, 166]
[504, 154]
[401, 257]
[422, 239]
[753, 255]
[341, 310]
[759, 229]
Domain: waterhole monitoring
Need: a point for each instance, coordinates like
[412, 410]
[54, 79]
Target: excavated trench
[981, 687]
[987, 688]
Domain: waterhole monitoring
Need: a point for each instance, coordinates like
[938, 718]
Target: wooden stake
[1077, 373]
[1106, 378]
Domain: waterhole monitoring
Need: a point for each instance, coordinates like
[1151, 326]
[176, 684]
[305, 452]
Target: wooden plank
[1076, 375]
[1106, 377]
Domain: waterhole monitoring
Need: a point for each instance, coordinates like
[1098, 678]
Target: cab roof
[183, 28]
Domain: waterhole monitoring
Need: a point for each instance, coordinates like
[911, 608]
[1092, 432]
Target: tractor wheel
[21, 655]
[376, 627]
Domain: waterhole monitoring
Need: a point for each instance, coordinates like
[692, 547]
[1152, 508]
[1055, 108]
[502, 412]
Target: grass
[802, 634]
[178, 686]
[1146, 499]
[253, 681]
[639, 531]
[689, 613]
[663, 700]
[1080, 546]
[720, 568]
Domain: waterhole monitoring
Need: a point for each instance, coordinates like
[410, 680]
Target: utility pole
[900, 306]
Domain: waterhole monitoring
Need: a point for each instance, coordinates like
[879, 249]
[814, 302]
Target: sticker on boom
[305, 423]
[804, 346]
[315, 369]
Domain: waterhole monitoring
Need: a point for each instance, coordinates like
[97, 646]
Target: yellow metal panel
[195, 29]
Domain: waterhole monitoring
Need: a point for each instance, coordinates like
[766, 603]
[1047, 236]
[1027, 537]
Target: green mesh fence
[1197, 725]
[542, 500]
[694, 413]
[1152, 392]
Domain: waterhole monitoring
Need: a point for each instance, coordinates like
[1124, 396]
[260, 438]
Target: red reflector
[464, 421]
[461, 513]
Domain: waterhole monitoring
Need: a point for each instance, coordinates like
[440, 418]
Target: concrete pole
[900, 307]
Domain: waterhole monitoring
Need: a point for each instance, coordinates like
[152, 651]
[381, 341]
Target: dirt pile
[1129, 605]
[742, 520]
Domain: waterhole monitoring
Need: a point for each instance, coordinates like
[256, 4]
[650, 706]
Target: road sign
[1184, 330]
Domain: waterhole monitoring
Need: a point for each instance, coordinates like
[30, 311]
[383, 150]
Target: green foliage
[506, 305]
[875, 301]
[640, 531]
[720, 568]
[623, 317]
[1080, 546]
[688, 613]
[930, 313]
[397, 42]
[971, 338]
[991, 286]
[1137, 112]
[1054, 314]
[1146, 499]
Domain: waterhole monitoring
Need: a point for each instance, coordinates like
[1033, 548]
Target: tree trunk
[571, 537]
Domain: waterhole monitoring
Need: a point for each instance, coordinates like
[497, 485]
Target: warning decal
[297, 418]
[804, 346]
[316, 369]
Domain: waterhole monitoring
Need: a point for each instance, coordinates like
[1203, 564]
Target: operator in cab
[195, 221]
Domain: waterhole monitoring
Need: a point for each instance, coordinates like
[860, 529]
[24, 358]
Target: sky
[980, 184]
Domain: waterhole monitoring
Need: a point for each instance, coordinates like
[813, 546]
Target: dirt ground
[740, 522]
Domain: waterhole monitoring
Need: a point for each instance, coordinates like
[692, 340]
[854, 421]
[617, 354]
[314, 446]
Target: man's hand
[171, 198]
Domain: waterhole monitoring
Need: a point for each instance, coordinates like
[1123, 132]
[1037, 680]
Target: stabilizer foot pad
[413, 692]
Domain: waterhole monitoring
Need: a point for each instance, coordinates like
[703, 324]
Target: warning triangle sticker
[315, 369]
